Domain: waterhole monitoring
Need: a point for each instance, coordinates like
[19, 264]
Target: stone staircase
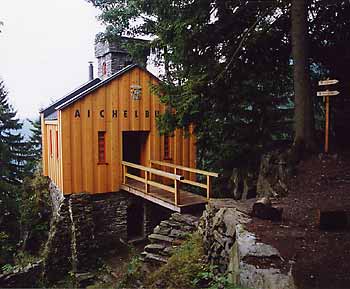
[167, 236]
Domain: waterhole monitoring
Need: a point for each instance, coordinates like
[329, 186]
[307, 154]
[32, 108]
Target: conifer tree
[12, 149]
[34, 146]
[12, 146]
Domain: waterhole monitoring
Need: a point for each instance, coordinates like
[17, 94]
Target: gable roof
[100, 84]
[51, 109]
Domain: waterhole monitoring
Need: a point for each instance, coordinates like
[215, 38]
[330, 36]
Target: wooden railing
[209, 175]
[147, 179]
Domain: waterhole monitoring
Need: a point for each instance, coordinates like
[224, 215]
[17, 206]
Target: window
[101, 147]
[166, 147]
[56, 144]
[50, 142]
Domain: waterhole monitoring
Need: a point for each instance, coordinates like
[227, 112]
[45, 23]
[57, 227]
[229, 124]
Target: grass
[187, 268]
[181, 268]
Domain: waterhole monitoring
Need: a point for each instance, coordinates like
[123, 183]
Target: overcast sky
[45, 46]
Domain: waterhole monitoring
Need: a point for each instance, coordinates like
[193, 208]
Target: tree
[11, 169]
[12, 145]
[225, 62]
[34, 146]
[24, 210]
[229, 68]
[304, 115]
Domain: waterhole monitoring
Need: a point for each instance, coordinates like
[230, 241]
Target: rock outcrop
[167, 236]
[234, 250]
[242, 184]
[275, 170]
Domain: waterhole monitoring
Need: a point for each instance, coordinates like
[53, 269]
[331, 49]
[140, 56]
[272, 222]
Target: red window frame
[50, 142]
[57, 144]
[101, 140]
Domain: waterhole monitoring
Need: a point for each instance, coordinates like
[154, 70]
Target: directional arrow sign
[327, 93]
[328, 82]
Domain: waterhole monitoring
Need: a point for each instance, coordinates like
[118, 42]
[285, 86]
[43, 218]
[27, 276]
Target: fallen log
[263, 209]
[332, 220]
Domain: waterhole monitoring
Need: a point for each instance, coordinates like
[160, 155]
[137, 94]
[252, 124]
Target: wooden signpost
[326, 94]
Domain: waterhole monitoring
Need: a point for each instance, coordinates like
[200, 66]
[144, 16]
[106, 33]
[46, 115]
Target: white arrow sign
[328, 82]
[327, 93]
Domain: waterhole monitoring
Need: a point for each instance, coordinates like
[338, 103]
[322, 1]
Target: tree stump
[332, 220]
[263, 209]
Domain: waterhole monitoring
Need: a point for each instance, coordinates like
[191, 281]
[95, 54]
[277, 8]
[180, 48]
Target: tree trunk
[303, 114]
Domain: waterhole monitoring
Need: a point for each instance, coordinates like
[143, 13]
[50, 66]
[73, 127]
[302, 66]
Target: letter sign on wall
[135, 91]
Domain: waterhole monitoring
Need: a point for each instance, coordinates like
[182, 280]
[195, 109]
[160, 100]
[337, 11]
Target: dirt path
[321, 259]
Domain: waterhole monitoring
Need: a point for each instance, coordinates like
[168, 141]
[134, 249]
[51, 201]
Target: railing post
[208, 187]
[146, 182]
[177, 195]
[150, 174]
[124, 174]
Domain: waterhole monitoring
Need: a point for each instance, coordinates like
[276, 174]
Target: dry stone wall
[86, 226]
[82, 227]
[237, 252]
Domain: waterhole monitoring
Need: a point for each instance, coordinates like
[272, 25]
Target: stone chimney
[112, 56]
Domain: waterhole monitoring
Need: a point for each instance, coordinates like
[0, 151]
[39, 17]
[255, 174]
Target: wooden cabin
[103, 137]
[89, 134]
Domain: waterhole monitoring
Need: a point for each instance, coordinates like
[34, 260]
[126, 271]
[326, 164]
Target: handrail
[154, 171]
[208, 175]
[147, 179]
[185, 168]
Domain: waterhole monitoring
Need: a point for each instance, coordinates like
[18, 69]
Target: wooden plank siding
[110, 109]
[52, 153]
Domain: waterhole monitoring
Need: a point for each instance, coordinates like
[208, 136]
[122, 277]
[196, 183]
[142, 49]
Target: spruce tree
[12, 150]
[34, 146]
[12, 146]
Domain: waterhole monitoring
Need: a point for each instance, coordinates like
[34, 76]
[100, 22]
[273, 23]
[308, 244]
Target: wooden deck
[187, 201]
[139, 180]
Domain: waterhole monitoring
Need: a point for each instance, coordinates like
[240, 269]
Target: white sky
[45, 46]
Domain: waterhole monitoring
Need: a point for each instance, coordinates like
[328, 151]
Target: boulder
[250, 275]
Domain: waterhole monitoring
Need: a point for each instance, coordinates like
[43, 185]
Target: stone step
[157, 238]
[185, 218]
[170, 224]
[178, 234]
[161, 230]
[154, 248]
[150, 257]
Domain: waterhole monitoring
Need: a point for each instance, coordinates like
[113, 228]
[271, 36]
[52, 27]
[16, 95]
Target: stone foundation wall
[82, 226]
[85, 226]
[83, 242]
[110, 219]
[56, 197]
[57, 253]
